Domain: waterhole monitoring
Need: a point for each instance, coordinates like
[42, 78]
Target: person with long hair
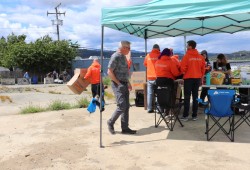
[166, 70]
[208, 69]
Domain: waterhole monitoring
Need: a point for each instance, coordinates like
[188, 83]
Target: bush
[107, 81]
[83, 103]
[32, 109]
[59, 105]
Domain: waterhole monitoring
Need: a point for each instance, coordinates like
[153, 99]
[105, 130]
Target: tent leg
[185, 42]
[146, 47]
[101, 88]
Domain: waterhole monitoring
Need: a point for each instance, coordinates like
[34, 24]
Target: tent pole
[101, 88]
[185, 41]
[145, 38]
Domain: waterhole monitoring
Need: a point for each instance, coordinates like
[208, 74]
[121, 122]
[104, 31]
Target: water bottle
[208, 77]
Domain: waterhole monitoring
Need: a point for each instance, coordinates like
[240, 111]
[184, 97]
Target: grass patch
[4, 98]
[32, 109]
[106, 81]
[54, 92]
[59, 105]
[82, 103]
[109, 95]
[28, 89]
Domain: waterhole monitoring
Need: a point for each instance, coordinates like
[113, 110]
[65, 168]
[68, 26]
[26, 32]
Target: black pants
[191, 86]
[95, 88]
[204, 92]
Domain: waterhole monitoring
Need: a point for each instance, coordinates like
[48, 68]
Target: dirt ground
[70, 139]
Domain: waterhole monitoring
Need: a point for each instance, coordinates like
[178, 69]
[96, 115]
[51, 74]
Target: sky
[82, 24]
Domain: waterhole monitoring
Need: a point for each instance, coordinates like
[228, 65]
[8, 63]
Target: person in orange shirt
[193, 68]
[93, 75]
[166, 70]
[149, 63]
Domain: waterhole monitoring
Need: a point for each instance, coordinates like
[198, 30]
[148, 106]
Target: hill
[86, 53]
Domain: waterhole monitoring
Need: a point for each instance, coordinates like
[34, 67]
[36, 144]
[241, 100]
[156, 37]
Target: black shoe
[111, 128]
[128, 131]
[150, 111]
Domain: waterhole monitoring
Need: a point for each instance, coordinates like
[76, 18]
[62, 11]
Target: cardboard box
[137, 80]
[77, 84]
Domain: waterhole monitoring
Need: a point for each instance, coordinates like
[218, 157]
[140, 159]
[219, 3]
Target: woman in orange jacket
[166, 71]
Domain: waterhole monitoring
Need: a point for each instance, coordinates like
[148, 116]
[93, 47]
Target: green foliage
[106, 81]
[41, 56]
[59, 105]
[32, 109]
[82, 103]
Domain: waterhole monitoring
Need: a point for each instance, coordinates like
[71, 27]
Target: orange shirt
[193, 64]
[93, 73]
[129, 63]
[167, 67]
[149, 62]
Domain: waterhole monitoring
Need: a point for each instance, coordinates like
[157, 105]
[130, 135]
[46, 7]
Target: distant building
[85, 63]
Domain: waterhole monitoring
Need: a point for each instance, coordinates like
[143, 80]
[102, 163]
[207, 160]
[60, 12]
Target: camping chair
[245, 114]
[219, 108]
[168, 105]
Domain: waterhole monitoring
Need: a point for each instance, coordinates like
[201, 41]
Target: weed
[106, 81]
[32, 109]
[54, 92]
[82, 103]
[28, 89]
[59, 105]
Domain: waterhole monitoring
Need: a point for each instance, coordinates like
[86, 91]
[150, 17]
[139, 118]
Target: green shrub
[32, 109]
[59, 105]
[82, 103]
[106, 81]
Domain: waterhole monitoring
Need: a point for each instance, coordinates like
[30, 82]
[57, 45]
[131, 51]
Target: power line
[57, 21]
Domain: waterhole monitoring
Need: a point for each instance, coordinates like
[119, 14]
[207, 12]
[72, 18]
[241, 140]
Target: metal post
[185, 46]
[101, 88]
[145, 37]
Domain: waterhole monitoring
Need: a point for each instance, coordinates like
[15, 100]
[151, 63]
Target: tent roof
[171, 18]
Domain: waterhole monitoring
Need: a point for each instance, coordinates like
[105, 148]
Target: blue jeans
[150, 94]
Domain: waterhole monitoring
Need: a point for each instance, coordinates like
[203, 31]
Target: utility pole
[57, 21]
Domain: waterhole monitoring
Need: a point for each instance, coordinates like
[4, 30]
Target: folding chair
[245, 114]
[219, 108]
[168, 105]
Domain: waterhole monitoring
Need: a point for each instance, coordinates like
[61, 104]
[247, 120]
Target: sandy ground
[70, 139]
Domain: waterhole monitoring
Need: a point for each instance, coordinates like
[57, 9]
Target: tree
[42, 56]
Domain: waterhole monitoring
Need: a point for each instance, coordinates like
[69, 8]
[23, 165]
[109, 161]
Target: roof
[165, 18]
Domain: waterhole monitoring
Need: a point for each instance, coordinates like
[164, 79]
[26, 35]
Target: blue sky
[82, 24]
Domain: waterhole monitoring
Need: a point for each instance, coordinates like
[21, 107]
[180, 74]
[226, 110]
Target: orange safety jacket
[167, 67]
[193, 64]
[93, 73]
[149, 62]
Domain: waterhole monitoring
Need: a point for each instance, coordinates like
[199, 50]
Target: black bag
[139, 99]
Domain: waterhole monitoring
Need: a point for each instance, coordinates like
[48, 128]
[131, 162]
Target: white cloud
[82, 23]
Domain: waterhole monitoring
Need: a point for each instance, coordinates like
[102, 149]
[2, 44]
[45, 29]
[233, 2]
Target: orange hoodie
[93, 73]
[175, 58]
[167, 67]
[149, 62]
[193, 64]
